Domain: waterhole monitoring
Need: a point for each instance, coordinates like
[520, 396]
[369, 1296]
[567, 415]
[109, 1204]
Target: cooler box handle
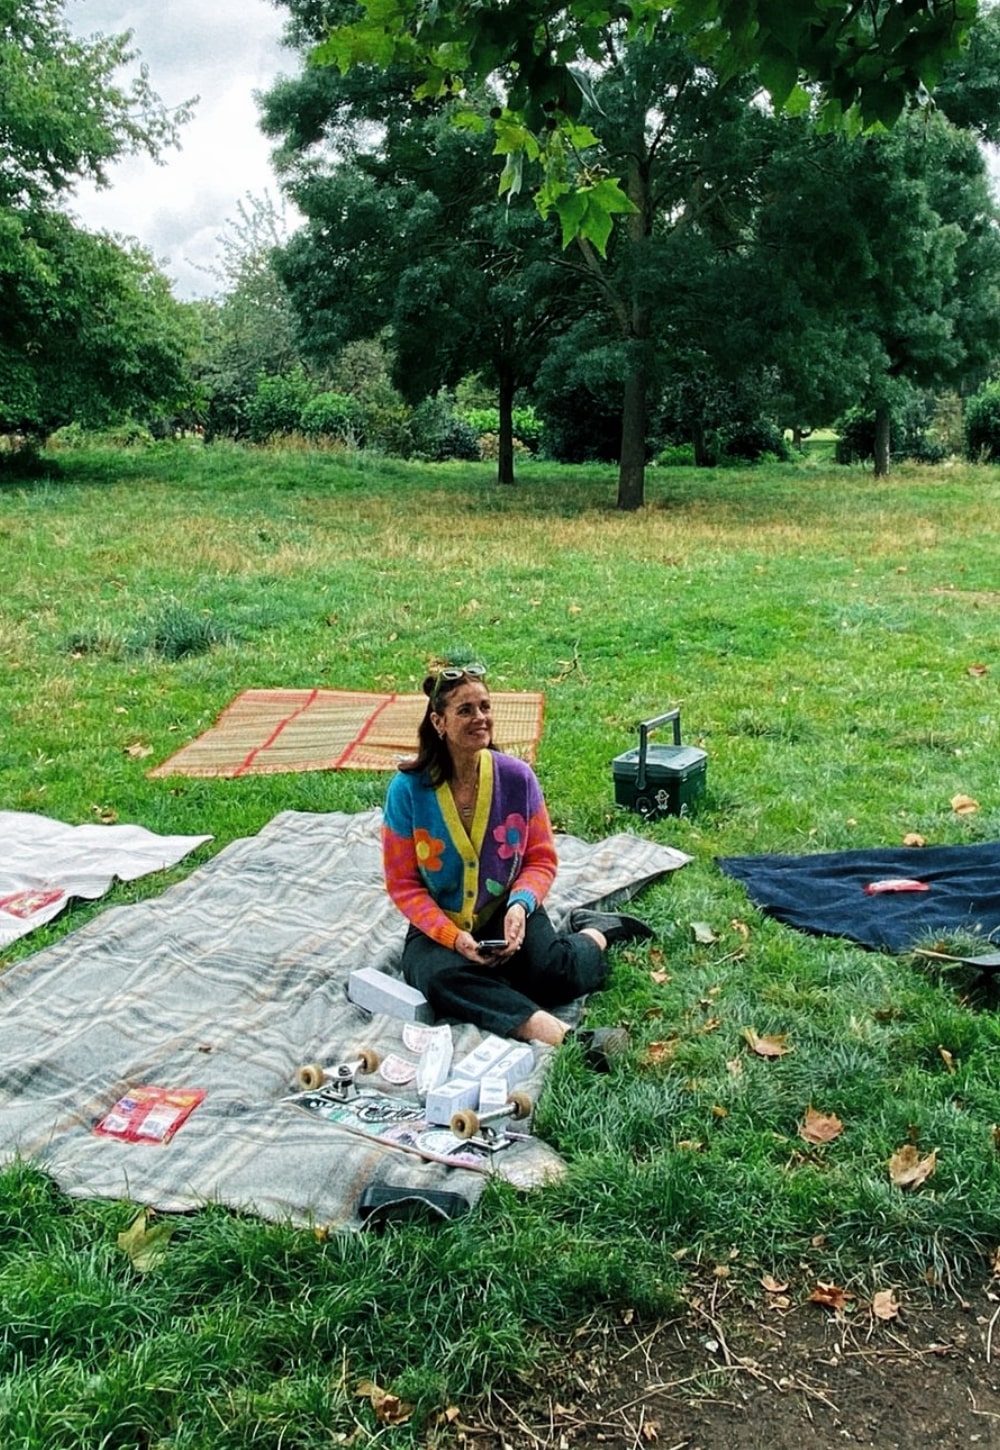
[644, 732]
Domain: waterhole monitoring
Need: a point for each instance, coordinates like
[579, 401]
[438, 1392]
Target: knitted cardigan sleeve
[404, 883]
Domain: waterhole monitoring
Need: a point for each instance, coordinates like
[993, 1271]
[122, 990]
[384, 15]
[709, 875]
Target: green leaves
[865, 60]
[587, 213]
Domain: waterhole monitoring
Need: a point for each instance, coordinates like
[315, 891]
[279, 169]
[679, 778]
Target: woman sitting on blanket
[469, 855]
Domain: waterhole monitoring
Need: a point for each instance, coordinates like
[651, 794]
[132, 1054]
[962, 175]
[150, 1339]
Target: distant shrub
[982, 425]
[439, 433]
[277, 405]
[332, 415]
[386, 428]
[911, 433]
[752, 442]
[676, 455]
[526, 422]
[489, 447]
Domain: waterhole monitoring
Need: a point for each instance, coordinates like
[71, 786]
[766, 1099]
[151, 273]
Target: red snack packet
[149, 1114]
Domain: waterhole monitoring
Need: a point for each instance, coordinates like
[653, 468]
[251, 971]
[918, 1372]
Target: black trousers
[547, 971]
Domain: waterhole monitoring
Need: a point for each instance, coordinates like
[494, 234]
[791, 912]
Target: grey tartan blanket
[228, 982]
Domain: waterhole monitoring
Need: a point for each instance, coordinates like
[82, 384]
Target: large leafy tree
[403, 231]
[877, 268]
[87, 326]
[689, 149]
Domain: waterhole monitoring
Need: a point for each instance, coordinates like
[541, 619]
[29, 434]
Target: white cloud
[222, 51]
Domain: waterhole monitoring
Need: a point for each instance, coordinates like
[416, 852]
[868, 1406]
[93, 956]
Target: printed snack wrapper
[149, 1114]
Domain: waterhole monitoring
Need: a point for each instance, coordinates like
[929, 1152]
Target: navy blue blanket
[825, 893]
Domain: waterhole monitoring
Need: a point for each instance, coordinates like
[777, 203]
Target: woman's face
[465, 719]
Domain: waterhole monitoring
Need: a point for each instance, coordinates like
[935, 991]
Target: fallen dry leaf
[832, 1296]
[885, 1305]
[947, 1058]
[702, 933]
[976, 670]
[107, 815]
[661, 1051]
[145, 1242]
[138, 751]
[913, 838]
[734, 1066]
[773, 1046]
[660, 978]
[908, 1170]
[820, 1127]
[389, 1409]
[772, 1286]
[719, 1111]
[740, 927]
[964, 805]
[650, 1430]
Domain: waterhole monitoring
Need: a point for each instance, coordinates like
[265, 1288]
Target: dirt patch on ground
[782, 1377]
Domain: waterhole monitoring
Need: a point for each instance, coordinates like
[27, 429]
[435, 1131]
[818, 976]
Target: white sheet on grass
[44, 863]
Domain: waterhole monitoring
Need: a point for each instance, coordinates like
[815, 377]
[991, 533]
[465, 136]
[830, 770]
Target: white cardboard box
[449, 1098]
[378, 992]
[514, 1066]
[483, 1058]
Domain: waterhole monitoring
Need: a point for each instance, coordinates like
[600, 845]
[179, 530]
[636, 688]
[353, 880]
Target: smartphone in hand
[491, 946]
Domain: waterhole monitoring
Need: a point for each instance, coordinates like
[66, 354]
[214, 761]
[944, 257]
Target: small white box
[483, 1058]
[493, 1092]
[515, 1065]
[450, 1098]
[378, 992]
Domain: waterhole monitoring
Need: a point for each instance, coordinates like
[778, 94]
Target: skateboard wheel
[520, 1105]
[369, 1060]
[311, 1077]
[465, 1123]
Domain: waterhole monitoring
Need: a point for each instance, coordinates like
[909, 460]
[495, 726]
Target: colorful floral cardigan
[445, 879]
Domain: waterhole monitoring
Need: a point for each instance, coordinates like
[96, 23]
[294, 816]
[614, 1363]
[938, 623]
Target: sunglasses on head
[452, 673]
[459, 672]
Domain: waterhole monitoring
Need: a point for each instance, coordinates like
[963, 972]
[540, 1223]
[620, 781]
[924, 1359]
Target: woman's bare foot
[541, 1027]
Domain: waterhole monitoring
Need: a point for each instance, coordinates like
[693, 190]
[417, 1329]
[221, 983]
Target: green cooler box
[660, 780]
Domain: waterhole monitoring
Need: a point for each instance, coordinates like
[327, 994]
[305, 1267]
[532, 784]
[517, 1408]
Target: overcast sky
[222, 51]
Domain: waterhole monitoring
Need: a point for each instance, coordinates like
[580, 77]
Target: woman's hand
[514, 926]
[467, 947]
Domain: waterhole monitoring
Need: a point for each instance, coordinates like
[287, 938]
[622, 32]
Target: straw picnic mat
[266, 732]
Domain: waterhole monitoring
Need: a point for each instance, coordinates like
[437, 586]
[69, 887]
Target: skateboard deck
[395, 1122]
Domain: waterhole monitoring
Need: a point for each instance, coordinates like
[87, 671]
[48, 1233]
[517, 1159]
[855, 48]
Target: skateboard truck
[339, 1078]
[467, 1123]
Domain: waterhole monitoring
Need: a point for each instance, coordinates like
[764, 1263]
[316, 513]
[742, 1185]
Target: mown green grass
[817, 627]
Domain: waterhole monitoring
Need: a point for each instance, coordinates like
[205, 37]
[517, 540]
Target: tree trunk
[505, 441]
[883, 430]
[701, 458]
[632, 460]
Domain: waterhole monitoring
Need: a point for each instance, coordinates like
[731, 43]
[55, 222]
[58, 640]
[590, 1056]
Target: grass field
[834, 643]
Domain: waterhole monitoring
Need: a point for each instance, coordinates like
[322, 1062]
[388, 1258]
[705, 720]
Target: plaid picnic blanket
[227, 983]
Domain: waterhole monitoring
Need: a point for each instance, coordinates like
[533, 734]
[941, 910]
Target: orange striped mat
[265, 732]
